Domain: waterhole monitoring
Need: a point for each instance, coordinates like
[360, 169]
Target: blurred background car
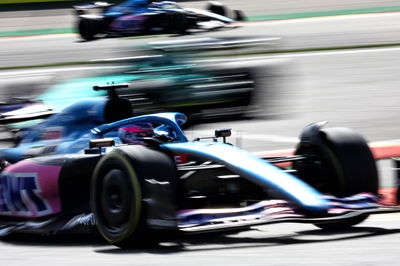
[140, 17]
[177, 76]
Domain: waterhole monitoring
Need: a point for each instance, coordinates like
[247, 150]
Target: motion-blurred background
[327, 60]
[291, 63]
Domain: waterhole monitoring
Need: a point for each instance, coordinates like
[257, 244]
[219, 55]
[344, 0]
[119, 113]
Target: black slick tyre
[341, 164]
[177, 23]
[239, 15]
[117, 193]
[88, 28]
[217, 8]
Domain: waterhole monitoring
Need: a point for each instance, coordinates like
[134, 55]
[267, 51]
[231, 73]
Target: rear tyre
[89, 28]
[340, 164]
[217, 8]
[117, 193]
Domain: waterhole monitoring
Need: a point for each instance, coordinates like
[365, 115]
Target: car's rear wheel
[217, 8]
[117, 194]
[339, 163]
[89, 28]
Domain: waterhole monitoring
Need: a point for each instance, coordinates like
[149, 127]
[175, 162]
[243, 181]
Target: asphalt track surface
[374, 242]
[351, 88]
[333, 32]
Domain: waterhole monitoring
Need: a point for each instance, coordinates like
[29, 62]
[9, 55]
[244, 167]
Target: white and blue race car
[94, 167]
[144, 17]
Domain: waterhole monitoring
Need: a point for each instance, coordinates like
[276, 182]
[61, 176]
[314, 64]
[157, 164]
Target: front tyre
[177, 23]
[341, 164]
[117, 194]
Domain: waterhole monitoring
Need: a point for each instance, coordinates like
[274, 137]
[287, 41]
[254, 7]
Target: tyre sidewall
[119, 161]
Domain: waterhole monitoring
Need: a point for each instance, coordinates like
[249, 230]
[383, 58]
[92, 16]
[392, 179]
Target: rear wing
[111, 89]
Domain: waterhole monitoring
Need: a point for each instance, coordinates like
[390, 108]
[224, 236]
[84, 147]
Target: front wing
[210, 220]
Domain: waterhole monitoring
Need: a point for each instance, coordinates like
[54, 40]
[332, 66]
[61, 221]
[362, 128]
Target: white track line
[37, 37]
[283, 55]
[390, 15]
[372, 144]
[50, 70]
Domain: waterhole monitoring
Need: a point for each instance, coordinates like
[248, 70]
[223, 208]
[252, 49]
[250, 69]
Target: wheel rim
[115, 202]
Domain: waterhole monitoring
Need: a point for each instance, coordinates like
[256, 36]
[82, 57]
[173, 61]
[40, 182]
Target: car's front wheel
[177, 23]
[339, 163]
[118, 192]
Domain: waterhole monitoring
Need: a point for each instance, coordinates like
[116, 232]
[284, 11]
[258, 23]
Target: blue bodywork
[76, 125]
[258, 171]
[137, 7]
[128, 8]
[84, 121]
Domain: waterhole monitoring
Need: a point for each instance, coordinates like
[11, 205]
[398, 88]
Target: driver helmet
[134, 133]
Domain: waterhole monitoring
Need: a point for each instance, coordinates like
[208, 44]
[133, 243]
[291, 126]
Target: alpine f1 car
[134, 178]
[143, 17]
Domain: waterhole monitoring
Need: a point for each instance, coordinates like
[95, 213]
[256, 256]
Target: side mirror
[225, 132]
[100, 143]
[96, 145]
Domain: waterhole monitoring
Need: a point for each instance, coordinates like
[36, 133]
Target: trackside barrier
[396, 162]
[389, 151]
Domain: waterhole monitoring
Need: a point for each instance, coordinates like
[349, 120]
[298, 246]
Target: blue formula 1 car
[95, 168]
[143, 17]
